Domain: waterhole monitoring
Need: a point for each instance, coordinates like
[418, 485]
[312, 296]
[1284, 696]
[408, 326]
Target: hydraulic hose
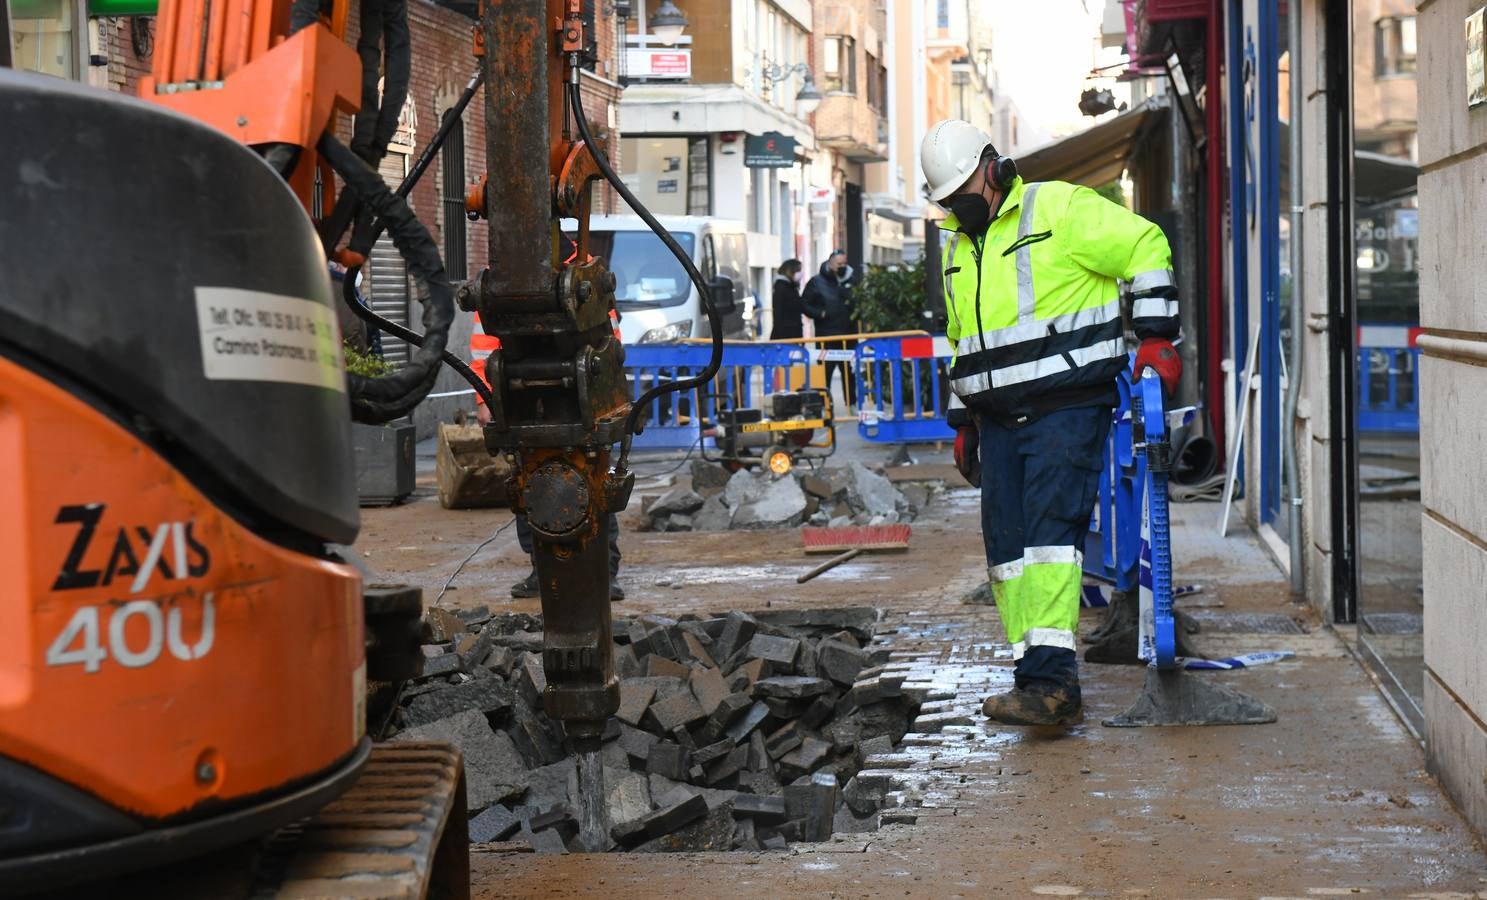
[633, 425]
[348, 294]
[381, 399]
[348, 288]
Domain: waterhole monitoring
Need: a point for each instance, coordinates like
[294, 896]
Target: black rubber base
[1177, 697]
[154, 847]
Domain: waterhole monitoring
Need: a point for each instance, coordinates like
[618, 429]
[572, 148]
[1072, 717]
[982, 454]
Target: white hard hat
[949, 155]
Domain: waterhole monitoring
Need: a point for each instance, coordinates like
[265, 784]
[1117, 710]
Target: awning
[1096, 156]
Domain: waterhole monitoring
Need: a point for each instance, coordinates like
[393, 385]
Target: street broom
[848, 542]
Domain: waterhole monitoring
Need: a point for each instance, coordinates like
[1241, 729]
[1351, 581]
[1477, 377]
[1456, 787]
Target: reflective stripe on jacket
[1034, 303]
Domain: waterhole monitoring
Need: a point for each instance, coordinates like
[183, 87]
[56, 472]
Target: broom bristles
[855, 537]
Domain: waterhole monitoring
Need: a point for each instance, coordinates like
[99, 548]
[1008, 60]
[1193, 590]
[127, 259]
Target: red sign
[671, 63]
[646, 63]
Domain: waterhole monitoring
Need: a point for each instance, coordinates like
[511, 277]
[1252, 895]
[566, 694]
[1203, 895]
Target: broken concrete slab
[552, 785]
[709, 688]
[729, 766]
[495, 824]
[784, 739]
[708, 478]
[791, 687]
[746, 723]
[659, 666]
[488, 695]
[668, 759]
[813, 805]
[443, 664]
[637, 743]
[626, 663]
[635, 699]
[684, 501]
[805, 758]
[535, 735]
[678, 711]
[871, 493]
[779, 652]
[728, 711]
[441, 625]
[743, 487]
[531, 680]
[738, 630]
[847, 822]
[494, 771]
[713, 832]
[628, 796]
[697, 650]
[764, 810]
[778, 503]
[670, 818]
[715, 515]
[840, 662]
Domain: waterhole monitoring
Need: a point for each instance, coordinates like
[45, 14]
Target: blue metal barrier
[1389, 389]
[903, 388]
[749, 373]
[1128, 544]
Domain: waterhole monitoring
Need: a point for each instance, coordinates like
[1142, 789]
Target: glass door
[1386, 229]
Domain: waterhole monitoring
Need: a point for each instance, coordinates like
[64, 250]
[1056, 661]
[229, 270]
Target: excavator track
[399, 833]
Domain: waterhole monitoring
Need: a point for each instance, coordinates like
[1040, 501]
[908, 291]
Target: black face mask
[971, 210]
[841, 271]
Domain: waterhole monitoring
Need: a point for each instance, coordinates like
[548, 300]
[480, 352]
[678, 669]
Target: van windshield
[646, 274]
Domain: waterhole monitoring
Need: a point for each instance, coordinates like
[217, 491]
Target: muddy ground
[1332, 799]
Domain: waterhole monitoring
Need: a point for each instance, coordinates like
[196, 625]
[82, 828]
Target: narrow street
[1331, 800]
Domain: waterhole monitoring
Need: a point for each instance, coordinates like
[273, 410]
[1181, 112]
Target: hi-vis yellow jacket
[1034, 304]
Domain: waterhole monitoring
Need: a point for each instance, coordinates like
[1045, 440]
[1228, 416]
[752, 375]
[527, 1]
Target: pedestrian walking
[785, 303]
[828, 301]
[1032, 274]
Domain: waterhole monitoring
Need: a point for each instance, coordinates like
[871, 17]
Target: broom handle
[828, 565]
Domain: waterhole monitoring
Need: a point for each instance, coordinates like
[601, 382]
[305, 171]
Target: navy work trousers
[1039, 483]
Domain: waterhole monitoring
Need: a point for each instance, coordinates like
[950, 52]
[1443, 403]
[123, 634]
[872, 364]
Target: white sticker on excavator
[254, 336]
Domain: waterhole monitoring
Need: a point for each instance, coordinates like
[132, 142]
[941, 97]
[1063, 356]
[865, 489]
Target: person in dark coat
[828, 300]
[785, 303]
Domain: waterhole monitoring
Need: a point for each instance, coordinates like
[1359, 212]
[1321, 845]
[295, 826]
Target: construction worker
[1032, 275]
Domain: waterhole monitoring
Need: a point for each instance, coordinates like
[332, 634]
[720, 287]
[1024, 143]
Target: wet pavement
[1331, 800]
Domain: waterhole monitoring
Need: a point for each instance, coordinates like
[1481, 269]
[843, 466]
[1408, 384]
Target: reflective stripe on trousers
[1038, 485]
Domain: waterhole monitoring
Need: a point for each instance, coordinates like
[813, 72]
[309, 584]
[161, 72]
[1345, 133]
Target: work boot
[1123, 606]
[526, 588]
[1035, 706]
[616, 593]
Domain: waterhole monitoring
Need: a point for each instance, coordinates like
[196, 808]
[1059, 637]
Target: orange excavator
[186, 640]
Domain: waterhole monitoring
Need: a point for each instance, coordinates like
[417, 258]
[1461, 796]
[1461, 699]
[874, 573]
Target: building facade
[1351, 338]
[689, 111]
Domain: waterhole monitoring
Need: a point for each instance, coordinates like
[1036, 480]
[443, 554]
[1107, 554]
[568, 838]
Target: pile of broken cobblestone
[736, 732]
[718, 500]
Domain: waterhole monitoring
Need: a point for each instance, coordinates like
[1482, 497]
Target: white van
[657, 301]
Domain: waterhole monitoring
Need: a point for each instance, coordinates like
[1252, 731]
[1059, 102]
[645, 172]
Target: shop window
[1394, 46]
[45, 37]
[840, 65]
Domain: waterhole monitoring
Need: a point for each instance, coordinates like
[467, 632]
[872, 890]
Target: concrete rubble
[718, 500]
[742, 731]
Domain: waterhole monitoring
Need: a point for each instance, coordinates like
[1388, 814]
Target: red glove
[968, 453]
[1161, 356]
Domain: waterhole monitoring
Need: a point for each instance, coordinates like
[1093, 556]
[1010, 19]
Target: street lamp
[807, 98]
[667, 23]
